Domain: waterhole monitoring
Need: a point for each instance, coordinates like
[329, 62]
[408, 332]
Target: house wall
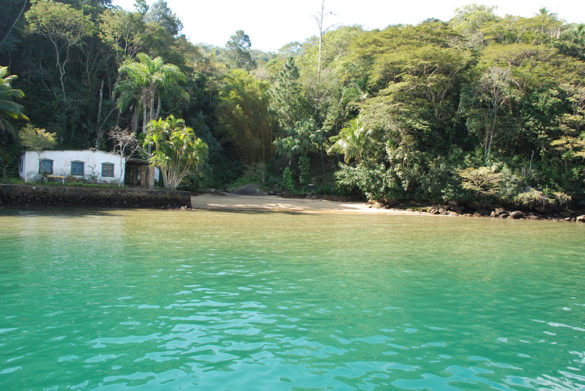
[29, 164]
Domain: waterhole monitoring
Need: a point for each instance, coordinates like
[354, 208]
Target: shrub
[288, 183]
[305, 169]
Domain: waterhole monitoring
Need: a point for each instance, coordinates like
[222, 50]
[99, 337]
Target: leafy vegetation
[177, 151]
[478, 109]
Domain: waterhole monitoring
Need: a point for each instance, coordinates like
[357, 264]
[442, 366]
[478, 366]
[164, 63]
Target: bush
[288, 183]
[539, 201]
[305, 170]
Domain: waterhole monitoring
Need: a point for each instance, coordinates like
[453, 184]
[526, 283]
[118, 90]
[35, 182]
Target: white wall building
[92, 165]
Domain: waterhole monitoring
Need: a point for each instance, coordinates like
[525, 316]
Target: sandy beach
[278, 204]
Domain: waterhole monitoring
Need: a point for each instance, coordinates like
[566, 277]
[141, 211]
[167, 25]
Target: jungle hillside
[480, 109]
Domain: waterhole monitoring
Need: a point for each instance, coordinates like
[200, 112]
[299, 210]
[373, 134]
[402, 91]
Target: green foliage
[243, 119]
[36, 139]
[148, 81]
[482, 107]
[9, 110]
[304, 170]
[161, 14]
[238, 51]
[177, 151]
[286, 98]
[538, 200]
[288, 183]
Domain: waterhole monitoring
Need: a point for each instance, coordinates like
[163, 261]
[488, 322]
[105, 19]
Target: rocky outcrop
[24, 196]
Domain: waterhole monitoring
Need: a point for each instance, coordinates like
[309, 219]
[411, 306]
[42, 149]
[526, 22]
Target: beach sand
[232, 202]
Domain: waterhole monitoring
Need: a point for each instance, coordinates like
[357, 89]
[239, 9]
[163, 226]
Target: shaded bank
[23, 196]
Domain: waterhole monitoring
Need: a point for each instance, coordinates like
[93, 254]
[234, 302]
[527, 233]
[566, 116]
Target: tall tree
[320, 18]
[161, 14]
[238, 51]
[286, 97]
[243, 118]
[143, 84]
[64, 26]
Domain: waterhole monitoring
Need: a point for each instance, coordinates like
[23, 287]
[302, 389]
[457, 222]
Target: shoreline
[271, 203]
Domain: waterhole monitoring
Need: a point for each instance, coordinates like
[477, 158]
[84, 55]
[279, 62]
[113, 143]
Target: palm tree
[9, 110]
[351, 141]
[145, 82]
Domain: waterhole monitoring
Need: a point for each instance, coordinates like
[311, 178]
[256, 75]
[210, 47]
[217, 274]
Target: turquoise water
[169, 300]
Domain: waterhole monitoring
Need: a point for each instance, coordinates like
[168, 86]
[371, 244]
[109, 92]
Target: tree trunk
[15, 21]
[158, 108]
[99, 115]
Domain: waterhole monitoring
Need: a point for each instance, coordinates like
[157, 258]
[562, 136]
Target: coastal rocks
[516, 215]
[250, 189]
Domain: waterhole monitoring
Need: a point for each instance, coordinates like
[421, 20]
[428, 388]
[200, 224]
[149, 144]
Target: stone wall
[26, 196]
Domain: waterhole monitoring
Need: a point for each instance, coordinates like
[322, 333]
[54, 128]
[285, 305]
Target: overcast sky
[272, 24]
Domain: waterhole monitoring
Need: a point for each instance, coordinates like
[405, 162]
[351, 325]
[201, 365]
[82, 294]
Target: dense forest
[481, 108]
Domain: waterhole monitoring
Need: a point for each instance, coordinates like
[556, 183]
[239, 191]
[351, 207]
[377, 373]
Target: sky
[271, 24]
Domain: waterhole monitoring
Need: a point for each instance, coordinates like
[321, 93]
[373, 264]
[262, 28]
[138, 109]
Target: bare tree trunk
[158, 108]
[319, 19]
[24, 3]
[144, 110]
[135, 120]
[99, 115]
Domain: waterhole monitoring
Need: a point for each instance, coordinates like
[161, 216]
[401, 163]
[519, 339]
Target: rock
[468, 215]
[434, 211]
[569, 219]
[483, 212]
[442, 211]
[580, 219]
[250, 189]
[503, 215]
[516, 214]
[499, 211]
[494, 214]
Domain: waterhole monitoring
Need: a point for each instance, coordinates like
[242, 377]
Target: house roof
[93, 150]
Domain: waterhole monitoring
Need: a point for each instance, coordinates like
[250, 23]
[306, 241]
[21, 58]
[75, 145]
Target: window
[46, 166]
[108, 170]
[77, 168]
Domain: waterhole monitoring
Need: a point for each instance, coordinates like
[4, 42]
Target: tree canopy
[480, 108]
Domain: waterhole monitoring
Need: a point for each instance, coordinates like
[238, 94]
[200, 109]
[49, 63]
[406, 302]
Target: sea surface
[200, 300]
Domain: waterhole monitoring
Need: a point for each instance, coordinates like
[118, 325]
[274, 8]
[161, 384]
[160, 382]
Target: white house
[92, 165]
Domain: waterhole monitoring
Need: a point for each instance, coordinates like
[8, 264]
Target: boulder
[250, 189]
[516, 214]
[483, 212]
[499, 211]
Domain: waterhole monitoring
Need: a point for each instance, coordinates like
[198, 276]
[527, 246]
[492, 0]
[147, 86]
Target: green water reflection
[148, 300]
